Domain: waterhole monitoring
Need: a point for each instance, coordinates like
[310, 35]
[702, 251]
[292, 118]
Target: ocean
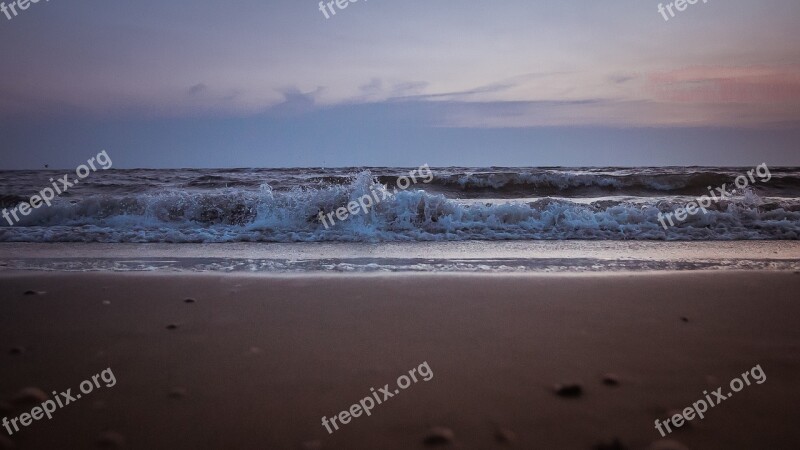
[459, 204]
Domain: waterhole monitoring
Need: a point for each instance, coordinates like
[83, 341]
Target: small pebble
[571, 390]
[189, 300]
[172, 326]
[106, 302]
[667, 444]
[29, 395]
[311, 445]
[6, 444]
[439, 436]
[98, 405]
[178, 393]
[110, 439]
[610, 379]
[505, 436]
[684, 319]
[616, 444]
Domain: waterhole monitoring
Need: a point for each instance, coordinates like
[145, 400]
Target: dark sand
[256, 361]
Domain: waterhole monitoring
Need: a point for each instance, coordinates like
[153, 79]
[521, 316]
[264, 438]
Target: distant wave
[585, 184]
[266, 215]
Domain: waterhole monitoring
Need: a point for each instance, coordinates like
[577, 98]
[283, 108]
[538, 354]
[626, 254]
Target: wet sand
[256, 361]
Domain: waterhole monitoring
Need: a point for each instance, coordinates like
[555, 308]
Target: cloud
[373, 87]
[624, 113]
[713, 84]
[295, 102]
[197, 88]
[620, 79]
[408, 88]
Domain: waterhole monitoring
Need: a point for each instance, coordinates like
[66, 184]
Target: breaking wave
[265, 214]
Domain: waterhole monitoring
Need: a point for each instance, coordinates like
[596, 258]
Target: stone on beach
[98, 405]
[505, 436]
[110, 439]
[616, 444]
[569, 390]
[610, 379]
[6, 444]
[178, 393]
[439, 436]
[685, 424]
[667, 444]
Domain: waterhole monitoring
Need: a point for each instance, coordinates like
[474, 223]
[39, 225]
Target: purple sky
[401, 82]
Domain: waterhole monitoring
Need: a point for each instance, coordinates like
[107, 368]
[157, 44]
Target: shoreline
[505, 257]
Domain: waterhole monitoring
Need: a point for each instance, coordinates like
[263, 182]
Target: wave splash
[267, 215]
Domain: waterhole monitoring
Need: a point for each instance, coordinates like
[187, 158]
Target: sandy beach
[256, 361]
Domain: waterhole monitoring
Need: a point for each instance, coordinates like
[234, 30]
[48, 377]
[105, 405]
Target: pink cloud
[713, 84]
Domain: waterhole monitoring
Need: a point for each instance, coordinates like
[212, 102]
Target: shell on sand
[29, 395]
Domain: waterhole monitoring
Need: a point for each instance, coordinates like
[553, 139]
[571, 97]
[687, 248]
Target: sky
[199, 83]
